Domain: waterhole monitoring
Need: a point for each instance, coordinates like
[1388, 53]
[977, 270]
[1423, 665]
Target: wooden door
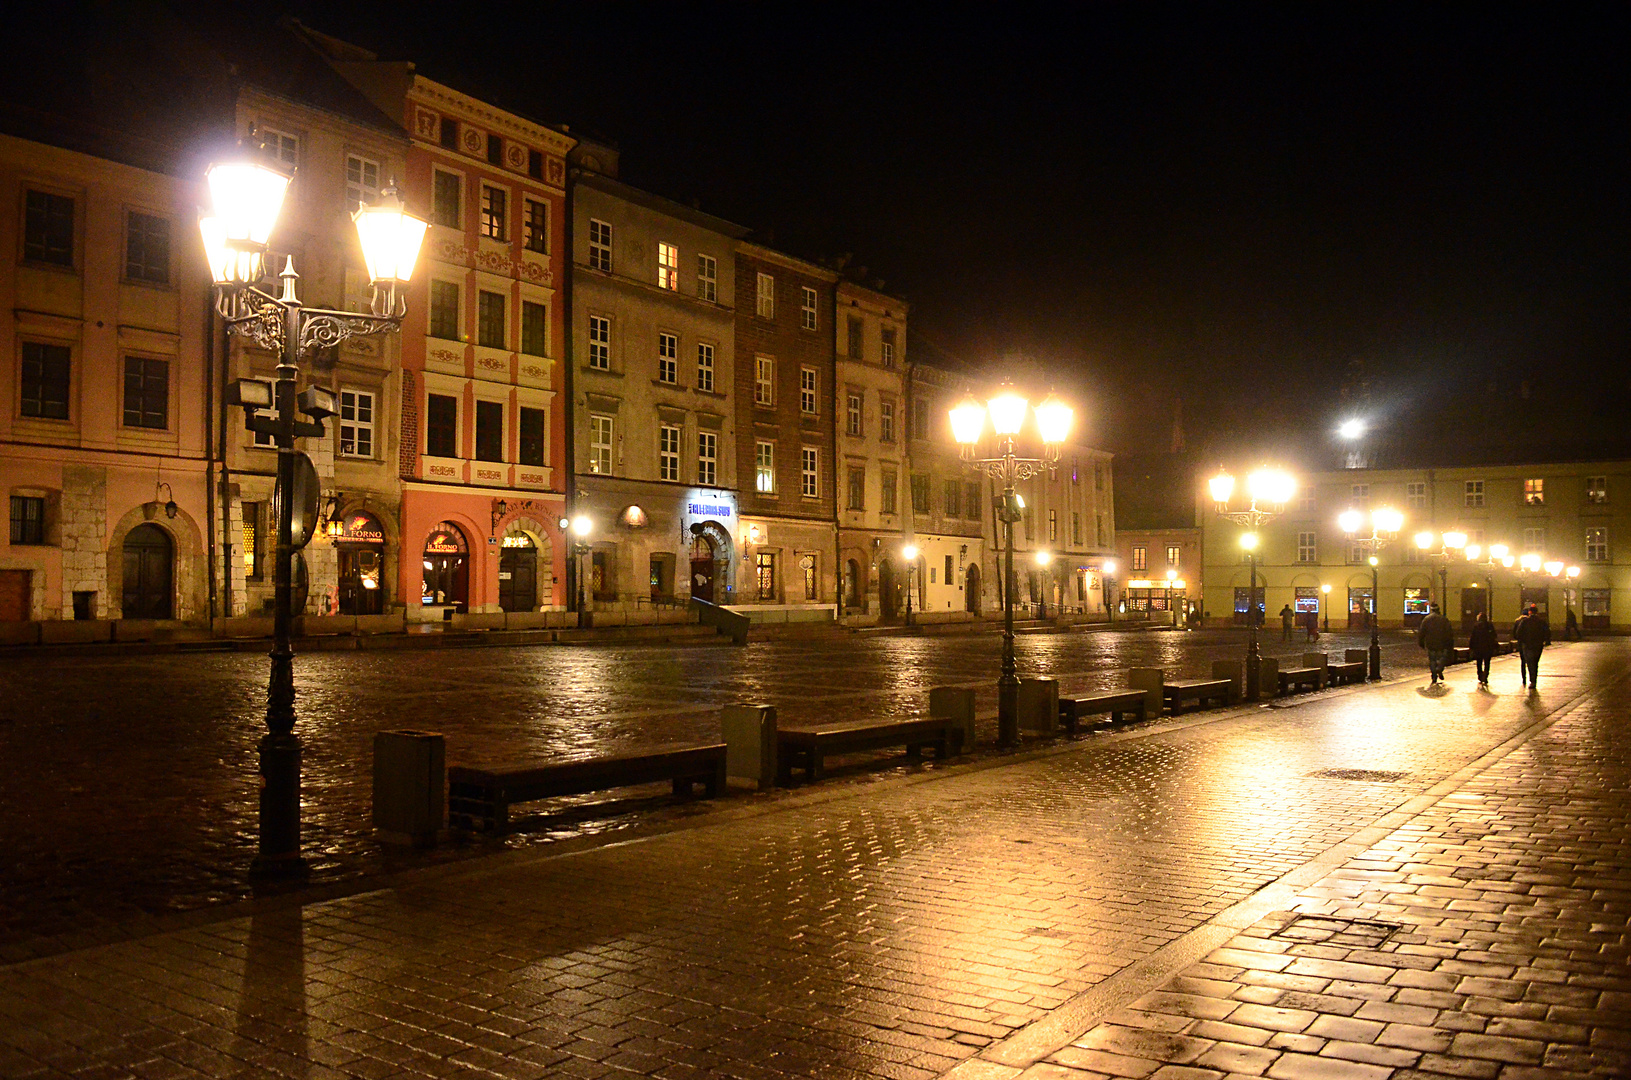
[14, 595]
[518, 578]
[149, 565]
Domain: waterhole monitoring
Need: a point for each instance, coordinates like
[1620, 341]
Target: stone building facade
[949, 504]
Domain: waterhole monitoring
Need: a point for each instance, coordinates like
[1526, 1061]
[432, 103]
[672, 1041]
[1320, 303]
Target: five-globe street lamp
[246, 197]
[909, 554]
[1268, 491]
[1385, 525]
[1451, 545]
[1007, 411]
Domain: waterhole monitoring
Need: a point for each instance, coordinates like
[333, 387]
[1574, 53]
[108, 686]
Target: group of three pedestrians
[1531, 633]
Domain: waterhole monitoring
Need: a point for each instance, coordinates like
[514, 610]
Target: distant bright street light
[1351, 429]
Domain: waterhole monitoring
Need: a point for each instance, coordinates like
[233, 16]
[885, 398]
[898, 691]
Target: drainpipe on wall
[837, 488]
[570, 488]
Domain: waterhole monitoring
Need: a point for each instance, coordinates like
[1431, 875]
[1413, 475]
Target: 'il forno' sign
[696, 509]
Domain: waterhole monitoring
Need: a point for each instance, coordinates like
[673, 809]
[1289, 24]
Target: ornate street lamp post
[1268, 491]
[1043, 559]
[1325, 602]
[909, 555]
[1497, 556]
[246, 197]
[1107, 578]
[1385, 525]
[1007, 411]
[1451, 545]
[580, 527]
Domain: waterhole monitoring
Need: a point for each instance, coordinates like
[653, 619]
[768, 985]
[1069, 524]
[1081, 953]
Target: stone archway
[889, 597]
[711, 558]
[189, 596]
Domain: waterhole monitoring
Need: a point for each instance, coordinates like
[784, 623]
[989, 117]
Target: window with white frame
[852, 414]
[1141, 557]
[495, 212]
[1173, 553]
[765, 297]
[807, 308]
[535, 226]
[668, 266]
[888, 351]
[810, 478]
[1415, 495]
[361, 182]
[668, 452]
[1597, 489]
[707, 279]
[1473, 494]
[764, 380]
[600, 444]
[707, 458]
[600, 245]
[1307, 549]
[1359, 493]
[1534, 492]
[668, 358]
[886, 421]
[764, 467]
[600, 342]
[1596, 545]
[807, 391]
[1534, 541]
[705, 367]
[280, 146]
[356, 423]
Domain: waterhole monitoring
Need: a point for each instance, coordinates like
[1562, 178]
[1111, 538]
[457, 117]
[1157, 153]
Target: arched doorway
[149, 573]
[854, 591]
[888, 590]
[703, 565]
[447, 567]
[361, 550]
[971, 589]
[518, 573]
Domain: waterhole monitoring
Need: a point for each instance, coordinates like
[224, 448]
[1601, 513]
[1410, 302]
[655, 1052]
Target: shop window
[764, 566]
[1307, 600]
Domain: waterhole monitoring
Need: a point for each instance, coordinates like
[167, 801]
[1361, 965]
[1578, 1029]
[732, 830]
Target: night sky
[1254, 210]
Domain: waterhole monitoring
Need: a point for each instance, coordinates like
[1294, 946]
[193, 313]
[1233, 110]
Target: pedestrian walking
[1571, 626]
[1311, 623]
[1532, 633]
[1437, 636]
[1285, 623]
[1482, 643]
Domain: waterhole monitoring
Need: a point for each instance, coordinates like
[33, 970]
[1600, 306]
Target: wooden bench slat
[1115, 702]
[1178, 691]
[805, 748]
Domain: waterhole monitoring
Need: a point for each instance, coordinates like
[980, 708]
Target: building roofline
[661, 204]
[792, 262]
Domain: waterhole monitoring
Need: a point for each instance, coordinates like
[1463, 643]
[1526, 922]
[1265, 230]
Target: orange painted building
[483, 414]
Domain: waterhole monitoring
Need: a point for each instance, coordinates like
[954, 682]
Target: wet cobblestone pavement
[1123, 905]
[129, 788]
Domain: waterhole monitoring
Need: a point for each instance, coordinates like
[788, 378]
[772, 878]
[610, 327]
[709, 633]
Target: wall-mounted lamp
[500, 508]
[333, 527]
[170, 507]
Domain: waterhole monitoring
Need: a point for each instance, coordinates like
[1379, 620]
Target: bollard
[1231, 670]
[1151, 681]
[410, 783]
[1039, 706]
[750, 743]
[1268, 676]
[955, 703]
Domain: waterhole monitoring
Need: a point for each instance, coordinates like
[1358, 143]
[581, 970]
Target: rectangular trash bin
[410, 786]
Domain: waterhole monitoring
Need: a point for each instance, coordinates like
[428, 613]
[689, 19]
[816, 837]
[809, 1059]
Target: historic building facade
[655, 415]
[1570, 513]
[784, 436]
[949, 507]
[870, 369]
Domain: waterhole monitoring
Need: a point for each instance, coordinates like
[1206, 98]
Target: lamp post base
[279, 856]
[1375, 659]
[1007, 711]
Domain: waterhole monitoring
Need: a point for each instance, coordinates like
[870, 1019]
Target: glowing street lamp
[1268, 491]
[1006, 411]
[1450, 546]
[1385, 525]
[909, 554]
[1325, 602]
[246, 198]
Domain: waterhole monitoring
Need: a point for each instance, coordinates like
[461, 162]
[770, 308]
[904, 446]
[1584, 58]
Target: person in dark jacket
[1437, 636]
[1532, 633]
[1285, 623]
[1482, 643]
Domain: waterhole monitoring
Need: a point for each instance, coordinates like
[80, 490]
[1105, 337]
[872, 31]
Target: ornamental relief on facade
[494, 262]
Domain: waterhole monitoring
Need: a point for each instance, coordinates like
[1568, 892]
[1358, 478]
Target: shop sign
[362, 528]
[441, 543]
[517, 540]
[698, 509]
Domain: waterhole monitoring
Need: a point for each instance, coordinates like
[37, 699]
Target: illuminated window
[705, 367]
[766, 297]
[600, 444]
[668, 363]
[1596, 545]
[535, 226]
[1534, 492]
[707, 279]
[495, 204]
[707, 458]
[600, 245]
[1597, 489]
[361, 182]
[668, 452]
[1053, 526]
[807, 391]
[1141, 557]
[668, 267]
[852, 414]
[600, 343]
[809, 476]
[254, 566]
[1174, 552]
[764, 380]
[356, 424]
[1473, 494]
[807, 308]
[764, 467]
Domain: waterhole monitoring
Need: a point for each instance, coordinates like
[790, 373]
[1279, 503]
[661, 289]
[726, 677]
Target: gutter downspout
[837, 489]
[569, 411]
[209, 448]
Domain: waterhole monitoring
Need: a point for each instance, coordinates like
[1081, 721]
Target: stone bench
[1291, 678]
[1118, 703]
[1345, 672]
[806, 748]
[1200, 691]
[479, 799]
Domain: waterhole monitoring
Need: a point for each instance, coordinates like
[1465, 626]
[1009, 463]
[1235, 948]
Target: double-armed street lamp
[1451, 545]
[246, 196]
[1268, 491]
[1007, 412]
[1489, 558]
[909, 555]
[1385, 525]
